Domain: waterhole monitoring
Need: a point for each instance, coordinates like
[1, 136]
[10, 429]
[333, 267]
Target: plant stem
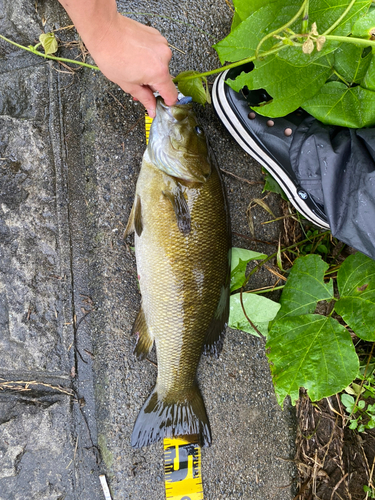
[247, 317]
[305, 18]
[351, 39]
[45, 56]
[266, 290]
[337, 22]
[347, 39]
[229, 66]
[282, 28]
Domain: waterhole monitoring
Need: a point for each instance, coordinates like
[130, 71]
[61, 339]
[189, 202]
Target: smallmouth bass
[182, 244]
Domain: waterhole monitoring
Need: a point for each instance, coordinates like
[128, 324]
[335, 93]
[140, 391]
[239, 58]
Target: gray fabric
[336, 165]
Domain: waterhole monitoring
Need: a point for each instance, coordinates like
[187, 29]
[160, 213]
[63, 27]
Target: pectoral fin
[180, 208]
[144, 338]
[135, 218]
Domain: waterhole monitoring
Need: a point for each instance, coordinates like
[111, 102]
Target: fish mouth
[183, 102]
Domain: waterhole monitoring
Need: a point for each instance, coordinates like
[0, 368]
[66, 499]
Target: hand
[136, 57]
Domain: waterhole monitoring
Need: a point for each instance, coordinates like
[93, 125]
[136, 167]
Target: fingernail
[151, 113]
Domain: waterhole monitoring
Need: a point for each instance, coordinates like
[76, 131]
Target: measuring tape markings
[182, 456]
[182, 469]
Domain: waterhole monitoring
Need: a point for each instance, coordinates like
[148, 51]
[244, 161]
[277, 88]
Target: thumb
[145, 95]
[168, 91]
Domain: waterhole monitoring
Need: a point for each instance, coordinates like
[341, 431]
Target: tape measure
[182, 469]
[182, 455]
[148, 122]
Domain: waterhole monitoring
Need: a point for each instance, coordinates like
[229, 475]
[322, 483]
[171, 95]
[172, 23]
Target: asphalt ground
[70, 151]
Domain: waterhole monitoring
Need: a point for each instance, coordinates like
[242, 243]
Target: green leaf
[364, 27]
[238, 254]
[49, 42]
[259, 309]
[238, 276]
[347, 401]
[271, 185]
[305, 287]
[194, 87]
[242, 42]
[356, 284]
[337, 104]
[368, 81]
[350, 64]
[275, 76]
[326, 13]
[235, 21]
[310, 351]
[239, 260]
[244, 8]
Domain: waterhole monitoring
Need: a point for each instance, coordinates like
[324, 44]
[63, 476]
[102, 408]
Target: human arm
[134, 56]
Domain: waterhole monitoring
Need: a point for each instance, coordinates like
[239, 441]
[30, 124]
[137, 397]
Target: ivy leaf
[356, 284]
[305, 287]
[49, 43]
[239, 260]
[337, 104]
[310, 351]
[307, 80]
[259, 309]
[194, 87]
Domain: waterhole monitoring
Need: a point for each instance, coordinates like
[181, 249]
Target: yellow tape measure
[182, 456]
[148, 122]
[182, 469]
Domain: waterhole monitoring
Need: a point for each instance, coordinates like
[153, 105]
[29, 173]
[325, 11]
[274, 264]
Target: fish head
[177, 144]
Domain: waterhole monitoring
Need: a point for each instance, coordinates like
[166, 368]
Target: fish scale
[171, 316]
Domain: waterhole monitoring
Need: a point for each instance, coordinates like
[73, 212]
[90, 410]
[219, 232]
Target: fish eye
[198, 130]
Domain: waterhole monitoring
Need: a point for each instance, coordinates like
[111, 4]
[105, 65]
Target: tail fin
[160, 417]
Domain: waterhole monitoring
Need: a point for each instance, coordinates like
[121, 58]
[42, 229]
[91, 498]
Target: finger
[145, 96]
[168, 92]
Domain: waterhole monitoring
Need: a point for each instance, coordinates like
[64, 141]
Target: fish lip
[160, 102]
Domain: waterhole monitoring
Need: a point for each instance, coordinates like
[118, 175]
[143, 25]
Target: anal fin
[144, 339]
[215, 334]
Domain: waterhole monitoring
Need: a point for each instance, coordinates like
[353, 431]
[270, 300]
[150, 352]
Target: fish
[182, 242]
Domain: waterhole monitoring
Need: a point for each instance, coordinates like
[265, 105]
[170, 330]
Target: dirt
[334, 462]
